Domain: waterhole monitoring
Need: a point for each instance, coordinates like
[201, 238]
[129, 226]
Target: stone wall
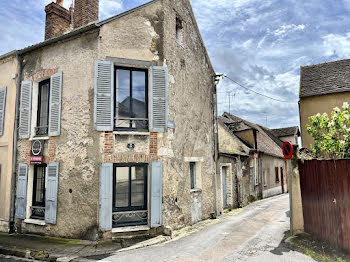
[270, 186]
[76, 149]
[145, 35]
[191, 108]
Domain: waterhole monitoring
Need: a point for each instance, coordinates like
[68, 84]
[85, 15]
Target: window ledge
[35, 222]
[39, 138]
[196, 190]
[131, 133]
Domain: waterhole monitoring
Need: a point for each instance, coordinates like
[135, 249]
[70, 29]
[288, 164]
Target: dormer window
[179, 30]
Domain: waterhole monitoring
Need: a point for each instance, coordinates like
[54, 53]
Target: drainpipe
[216, 138]
[14, 155]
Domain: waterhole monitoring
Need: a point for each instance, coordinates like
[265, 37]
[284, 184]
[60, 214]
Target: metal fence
[325, 192]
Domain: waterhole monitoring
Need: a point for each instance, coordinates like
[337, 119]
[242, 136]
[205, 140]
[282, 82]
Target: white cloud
[285, 29]
[337, 45]
[110, 7]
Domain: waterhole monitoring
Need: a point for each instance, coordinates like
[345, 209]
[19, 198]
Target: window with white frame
[195, 175]
[42, 123]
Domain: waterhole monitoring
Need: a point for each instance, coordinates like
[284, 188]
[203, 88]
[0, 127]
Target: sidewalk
[58, 249]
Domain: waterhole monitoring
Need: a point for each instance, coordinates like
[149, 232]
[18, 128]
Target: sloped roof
[326, 78]
[266, 141]
[77, 31]
[286, 131]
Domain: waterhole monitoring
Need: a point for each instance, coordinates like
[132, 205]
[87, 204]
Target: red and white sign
[287, 150]
[36, 159]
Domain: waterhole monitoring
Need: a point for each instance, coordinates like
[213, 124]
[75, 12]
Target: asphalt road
[253, 235]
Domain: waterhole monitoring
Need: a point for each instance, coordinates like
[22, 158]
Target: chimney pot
[60, 2]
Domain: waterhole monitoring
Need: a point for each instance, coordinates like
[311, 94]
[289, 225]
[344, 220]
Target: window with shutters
[131, 105]
[38, 201]
[130, 194]
[42, 125]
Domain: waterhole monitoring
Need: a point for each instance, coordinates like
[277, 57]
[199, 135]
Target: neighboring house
[287, 134]
[117, 123]
[251, 164]
[322, 88]
[8, 83]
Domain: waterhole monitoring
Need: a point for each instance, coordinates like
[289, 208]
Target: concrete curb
[147, 243]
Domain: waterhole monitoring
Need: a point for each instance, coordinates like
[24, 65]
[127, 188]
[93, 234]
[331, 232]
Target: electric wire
[251, 90]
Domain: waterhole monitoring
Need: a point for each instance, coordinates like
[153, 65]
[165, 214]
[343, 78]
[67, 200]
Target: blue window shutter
[25, 109]
[21, 194]
[106, 194]
[51, 193]
[55, 104]
[156, 170]
[159, 99]
[2, 109]
[104, 96]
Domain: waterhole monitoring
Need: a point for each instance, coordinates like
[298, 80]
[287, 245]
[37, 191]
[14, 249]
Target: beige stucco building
[117, 125]
[8, 83]
[322, 88]
[251, 164]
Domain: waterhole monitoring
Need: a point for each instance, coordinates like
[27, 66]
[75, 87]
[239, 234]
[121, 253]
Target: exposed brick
[58, 20]
[85, 12]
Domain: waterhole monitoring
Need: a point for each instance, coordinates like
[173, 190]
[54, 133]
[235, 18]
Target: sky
[259, 44]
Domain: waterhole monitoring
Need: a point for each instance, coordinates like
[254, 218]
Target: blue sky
[260, 44]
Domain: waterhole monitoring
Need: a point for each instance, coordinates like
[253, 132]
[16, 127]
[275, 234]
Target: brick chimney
[85, 12]
[58, 20]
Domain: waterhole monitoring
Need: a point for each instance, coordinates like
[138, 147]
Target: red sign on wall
[287, 150]
[36, 159]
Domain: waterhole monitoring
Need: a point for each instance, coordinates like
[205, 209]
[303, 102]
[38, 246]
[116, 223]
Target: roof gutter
[58, 38]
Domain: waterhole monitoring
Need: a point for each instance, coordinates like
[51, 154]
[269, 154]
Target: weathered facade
[128, 130]
[322, 88]
[8, 81]
[251, 165]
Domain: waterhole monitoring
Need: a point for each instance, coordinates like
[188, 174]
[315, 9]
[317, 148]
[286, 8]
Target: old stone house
[322, 88]
[251, 164]
[287, 134]
[8, 83]
[117, 123]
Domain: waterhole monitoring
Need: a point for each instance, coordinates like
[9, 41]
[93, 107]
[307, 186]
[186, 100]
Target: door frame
[228, 176]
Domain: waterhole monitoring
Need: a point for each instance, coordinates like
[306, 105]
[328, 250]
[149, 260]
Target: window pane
[123, 95]
[122, 187]
[44, 105]
[40, 186]
[193, 175]
[139, 94]
[138, 186]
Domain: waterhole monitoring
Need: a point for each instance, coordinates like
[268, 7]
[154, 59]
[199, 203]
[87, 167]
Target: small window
[131, 110]
[179, 30]
[42, 126]
[193, 174]
[265, 178]
[38, 202]
[276, 175]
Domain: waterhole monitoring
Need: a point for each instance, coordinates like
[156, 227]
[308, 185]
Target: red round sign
[287, 150]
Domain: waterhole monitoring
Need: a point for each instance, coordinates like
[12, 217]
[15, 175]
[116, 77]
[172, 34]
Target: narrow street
[254, 234]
